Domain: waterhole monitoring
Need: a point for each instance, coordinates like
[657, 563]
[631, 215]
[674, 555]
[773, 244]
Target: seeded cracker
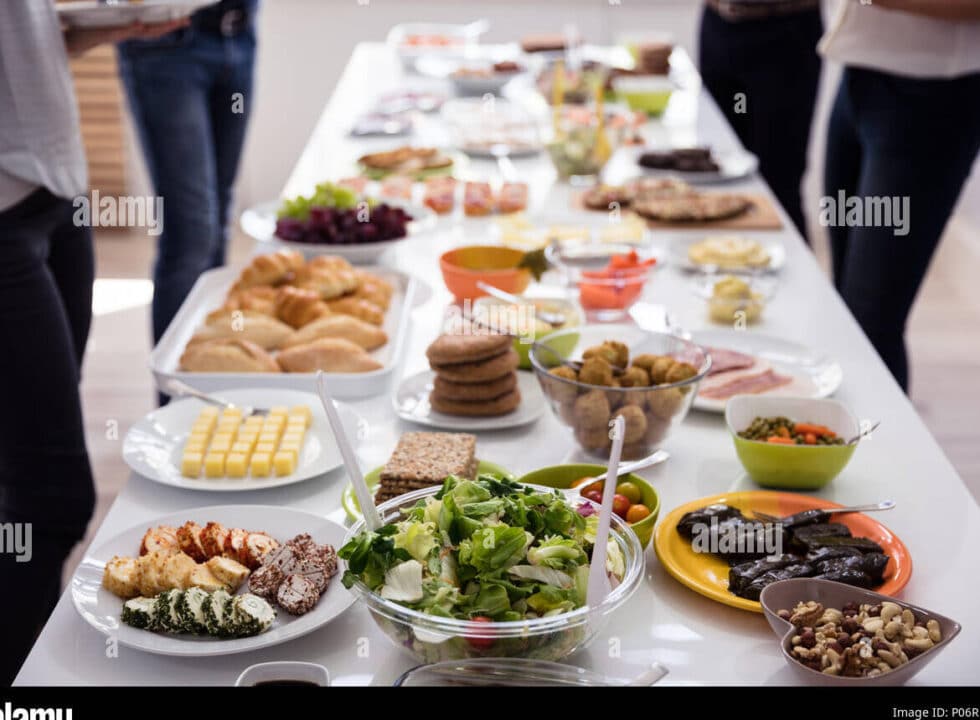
[424, 459]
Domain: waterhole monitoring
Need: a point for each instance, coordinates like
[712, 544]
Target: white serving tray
[99, 14]
[209, 294]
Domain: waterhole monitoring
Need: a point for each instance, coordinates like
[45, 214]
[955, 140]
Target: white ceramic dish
[101, 609]
[814, 375]
[259, 222]
[209, 293]
[96, 14]
[284, 672]
[679, 247]
[733, 164]
[411, 402]
[461, 38]
[153, 446]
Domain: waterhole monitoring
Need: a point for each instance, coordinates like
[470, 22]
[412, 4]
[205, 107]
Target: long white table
[700, 641]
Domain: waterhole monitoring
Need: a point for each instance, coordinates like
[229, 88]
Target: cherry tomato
[480, 643]
[637, 513]
[597, 486]
[630, 491]
[621, 505]
[581, 481]
[594, 495]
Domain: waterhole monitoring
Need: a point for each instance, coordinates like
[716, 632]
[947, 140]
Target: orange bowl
[463, 267]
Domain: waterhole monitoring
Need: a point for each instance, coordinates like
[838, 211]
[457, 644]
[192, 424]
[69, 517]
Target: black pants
[901, 138]
[773, 64]
[46, 274]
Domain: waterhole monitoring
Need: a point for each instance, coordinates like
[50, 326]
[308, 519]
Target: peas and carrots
[783, 431]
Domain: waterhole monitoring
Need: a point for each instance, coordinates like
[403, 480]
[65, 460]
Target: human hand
[81, 40]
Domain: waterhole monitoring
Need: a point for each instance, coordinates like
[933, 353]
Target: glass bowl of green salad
[488, 568]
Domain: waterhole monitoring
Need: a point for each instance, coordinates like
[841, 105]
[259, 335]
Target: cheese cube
[196, 443]
[278, 411]
[292, 438]
[261, 464]
[267, 437]
[214, 464]
[190, 464]
[254, 422]
[208, 411]
[295, 428]
[231, 412]
[301, 411]
[202, 427]
[236, 466]
[221, 444]
[285, 463]
[241, 448]
[273, 429]
[227, 427]
[292, 448]
[248, 439]
[265, 448]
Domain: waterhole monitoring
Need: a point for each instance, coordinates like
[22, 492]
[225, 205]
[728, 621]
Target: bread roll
[227, 355]
[297, 307]
[261, 298]
[357, 307]
[329, 355]
[373, 289]
[264, 331]
[327, 282]
[271, 269]
[360, 333]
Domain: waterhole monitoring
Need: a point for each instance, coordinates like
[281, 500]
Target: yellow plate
[348, 497]
[708, 575]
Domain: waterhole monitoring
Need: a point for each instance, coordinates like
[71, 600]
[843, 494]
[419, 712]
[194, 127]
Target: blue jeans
[902, 137]
[190, 93]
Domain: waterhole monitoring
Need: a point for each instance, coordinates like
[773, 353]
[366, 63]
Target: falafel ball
[596, 371]
[635, 376]
[636, 423]
[613, 351]
[558, 390]
[680, 371]
[592, 410]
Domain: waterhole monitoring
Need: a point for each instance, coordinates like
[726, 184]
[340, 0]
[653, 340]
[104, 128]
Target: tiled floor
[117, 387]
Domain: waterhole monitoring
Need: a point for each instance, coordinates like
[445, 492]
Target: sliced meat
[746, 384]
[723, 360]
[189, 537]
[162, 538]
[235, 544]
[213, 539]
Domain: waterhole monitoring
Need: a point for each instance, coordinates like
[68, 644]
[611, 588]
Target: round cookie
[452, 349]
[471, 392]
[481, 408]
[480, 371]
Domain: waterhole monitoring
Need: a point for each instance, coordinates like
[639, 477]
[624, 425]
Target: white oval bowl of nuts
[836, 634]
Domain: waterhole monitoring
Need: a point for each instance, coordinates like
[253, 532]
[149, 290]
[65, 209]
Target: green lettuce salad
[485, 548]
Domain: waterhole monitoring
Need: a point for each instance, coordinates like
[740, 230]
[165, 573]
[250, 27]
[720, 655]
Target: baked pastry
[373, 289]
[357, 307]
[693, 208]
[260, 298]
[459, 348]
[227, 355]
[329, 355]
[360, 333]
[470, 392]
[480, 371]
[264, 331]
[297, 307]
[328, 279]
[271, 269]
[501, 405]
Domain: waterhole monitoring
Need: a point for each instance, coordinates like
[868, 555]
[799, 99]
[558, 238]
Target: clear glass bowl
[587, 409]
[432, 639]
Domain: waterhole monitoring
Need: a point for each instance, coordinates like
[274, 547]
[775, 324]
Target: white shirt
[901, 43]
[40, 138]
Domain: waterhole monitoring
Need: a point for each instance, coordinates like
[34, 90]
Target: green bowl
[791, 467]
[348, 498]
[562, 477]
[646, 93]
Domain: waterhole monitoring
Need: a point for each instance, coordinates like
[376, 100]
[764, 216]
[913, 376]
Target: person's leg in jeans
[884, 271]
[774, 62]
[229, 121]
[842, 170]
[169, 95]
[45, 476]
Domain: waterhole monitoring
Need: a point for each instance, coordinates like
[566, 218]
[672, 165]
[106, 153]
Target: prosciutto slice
[756, 383]
[723, 360]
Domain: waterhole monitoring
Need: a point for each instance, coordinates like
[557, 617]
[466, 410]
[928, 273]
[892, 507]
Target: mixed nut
[858, 640]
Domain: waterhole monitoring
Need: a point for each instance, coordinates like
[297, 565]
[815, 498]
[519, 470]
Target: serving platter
[101, 609]
[814, 374]
[101, 14]
[209, 293]
[153, 446]
[733, 164]
[411, 403]
[707, 574]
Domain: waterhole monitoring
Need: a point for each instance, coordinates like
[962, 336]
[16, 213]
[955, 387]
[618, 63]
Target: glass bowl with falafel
[648, 378]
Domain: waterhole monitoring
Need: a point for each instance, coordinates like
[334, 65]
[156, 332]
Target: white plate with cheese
[102, 610]
[154, 446]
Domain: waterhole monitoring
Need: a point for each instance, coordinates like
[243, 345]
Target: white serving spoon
[371, 518]
[598, 579]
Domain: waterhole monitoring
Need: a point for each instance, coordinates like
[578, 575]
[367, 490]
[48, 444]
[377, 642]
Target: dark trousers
[896, 137]
[772, 63]
[46, 274]
[190, 93]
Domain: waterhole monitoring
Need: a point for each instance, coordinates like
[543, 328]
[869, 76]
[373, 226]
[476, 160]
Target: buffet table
[700, 641]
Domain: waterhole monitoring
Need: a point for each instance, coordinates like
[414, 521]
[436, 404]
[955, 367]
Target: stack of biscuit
[475, 375]
[424, 459]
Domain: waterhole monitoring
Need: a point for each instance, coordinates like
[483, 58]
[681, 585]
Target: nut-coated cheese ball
[665, 403]
[636, 423]
[592, 410]
[635, 376]
[680, 371]
[596, 371]
[615, 353]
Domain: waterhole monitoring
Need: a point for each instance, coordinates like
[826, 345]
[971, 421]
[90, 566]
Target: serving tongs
[182, 389]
